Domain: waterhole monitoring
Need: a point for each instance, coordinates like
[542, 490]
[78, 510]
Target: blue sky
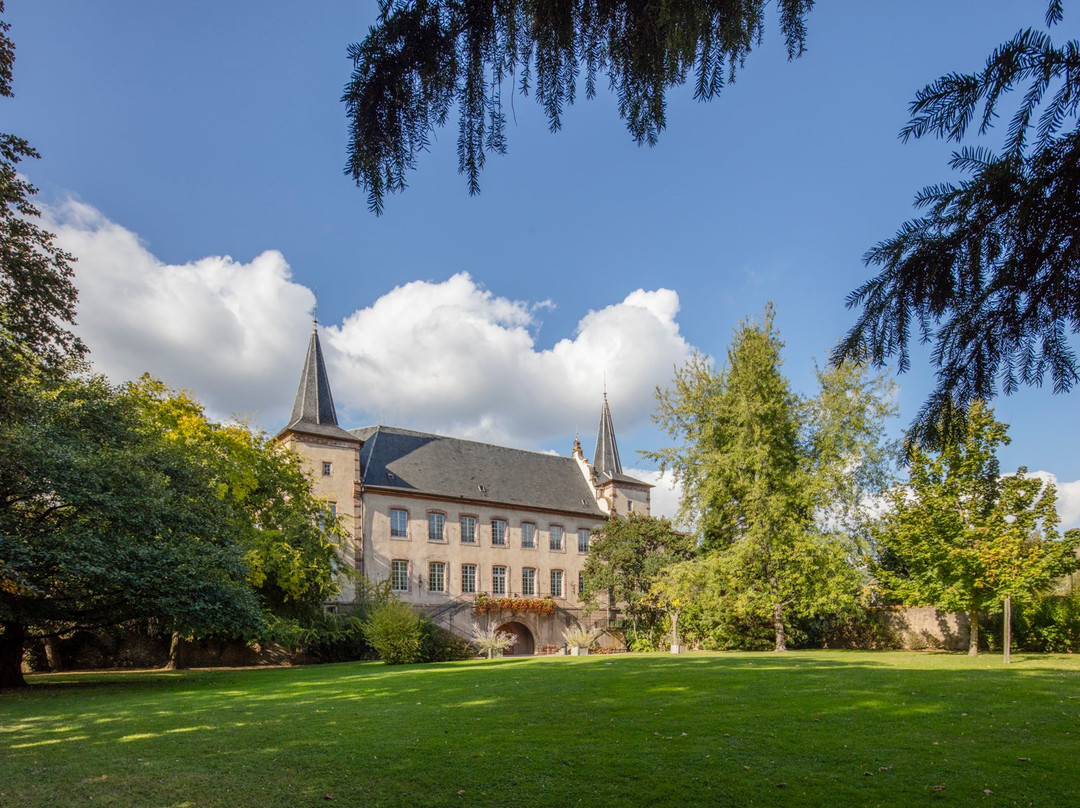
[193, 156]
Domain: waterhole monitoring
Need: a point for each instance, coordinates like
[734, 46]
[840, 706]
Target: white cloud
[231, 332]
[454, 357]
[447, 356]
[665, 495]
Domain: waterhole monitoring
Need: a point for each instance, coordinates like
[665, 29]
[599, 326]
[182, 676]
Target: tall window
[399, 524]
[555, 537]
[399, 575]
[436, 578]
[528, 535]
[468, 530]
[528, 581]
[498, 580]
[580, 582]
[498, 532]
[583, 540]
[556, 583]
[468, 579]
[436, 526]
[333, 509]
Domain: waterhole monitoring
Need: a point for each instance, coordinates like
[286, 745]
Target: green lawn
[806, 728]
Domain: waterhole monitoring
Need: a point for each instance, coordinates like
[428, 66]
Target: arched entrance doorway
[524, 645]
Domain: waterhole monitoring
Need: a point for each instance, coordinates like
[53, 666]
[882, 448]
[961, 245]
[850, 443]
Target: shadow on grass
[620, 729]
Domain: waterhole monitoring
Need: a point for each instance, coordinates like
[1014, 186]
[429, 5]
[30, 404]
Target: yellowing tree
[961, 536]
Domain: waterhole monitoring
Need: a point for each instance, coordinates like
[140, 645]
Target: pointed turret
[313, 412]
[606, 457]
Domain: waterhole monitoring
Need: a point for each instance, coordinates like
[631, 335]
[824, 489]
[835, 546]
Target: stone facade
[445, 519]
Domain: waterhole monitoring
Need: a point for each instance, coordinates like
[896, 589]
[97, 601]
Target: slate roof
[606, 461]
[313, 411]
[452, 468]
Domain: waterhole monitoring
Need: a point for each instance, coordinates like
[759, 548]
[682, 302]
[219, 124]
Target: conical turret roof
[313, 411]
[606, 461]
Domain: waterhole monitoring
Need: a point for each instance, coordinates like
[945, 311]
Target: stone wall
[921, 627]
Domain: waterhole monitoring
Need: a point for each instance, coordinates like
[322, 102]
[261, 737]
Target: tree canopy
[760, 470]
[961, 536]
[127, 503]
[107, 516]
[989, 274]
[422, 57]
[626, 558]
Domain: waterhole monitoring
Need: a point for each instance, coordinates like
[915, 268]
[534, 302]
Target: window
[436, 527]
[327, 468]
[333, 509]
[630, 506]
[468, 579]
[555, 537]
[580, 582]
[528, 581]
[498, 580]
[498, 532]
[399, 524]
[583, 539]
[436, 577]
[468, 530]
[556, 583]
[528, 535]
[399, 575]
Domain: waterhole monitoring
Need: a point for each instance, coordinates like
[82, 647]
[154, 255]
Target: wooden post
[1007, 643]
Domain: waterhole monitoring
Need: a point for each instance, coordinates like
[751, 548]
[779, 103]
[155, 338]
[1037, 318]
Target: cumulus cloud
[448, 356]
[215, 326]
[454, 357]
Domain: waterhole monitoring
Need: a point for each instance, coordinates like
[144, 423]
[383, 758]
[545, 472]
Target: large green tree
[961, 536]
[988, 274]
[771, 482]
[290, 538]
[106, 515]
[423, 57]
[626, 557]
[127, 503]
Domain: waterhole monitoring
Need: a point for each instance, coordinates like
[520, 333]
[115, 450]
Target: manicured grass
[802, 729]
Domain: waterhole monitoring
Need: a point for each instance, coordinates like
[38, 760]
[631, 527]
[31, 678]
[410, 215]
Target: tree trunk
[973, 634]
[778, 625]
[52, 654]
[1007, 640]
[11, 655]
[177, 653]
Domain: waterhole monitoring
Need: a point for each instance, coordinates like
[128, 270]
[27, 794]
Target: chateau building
[446, 520]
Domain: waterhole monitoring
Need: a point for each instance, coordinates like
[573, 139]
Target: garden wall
[920, 627]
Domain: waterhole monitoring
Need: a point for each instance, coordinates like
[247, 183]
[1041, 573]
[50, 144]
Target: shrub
[337, 638]
[1049, 623]
[440, 645]
[395, 631]
[860, 627]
